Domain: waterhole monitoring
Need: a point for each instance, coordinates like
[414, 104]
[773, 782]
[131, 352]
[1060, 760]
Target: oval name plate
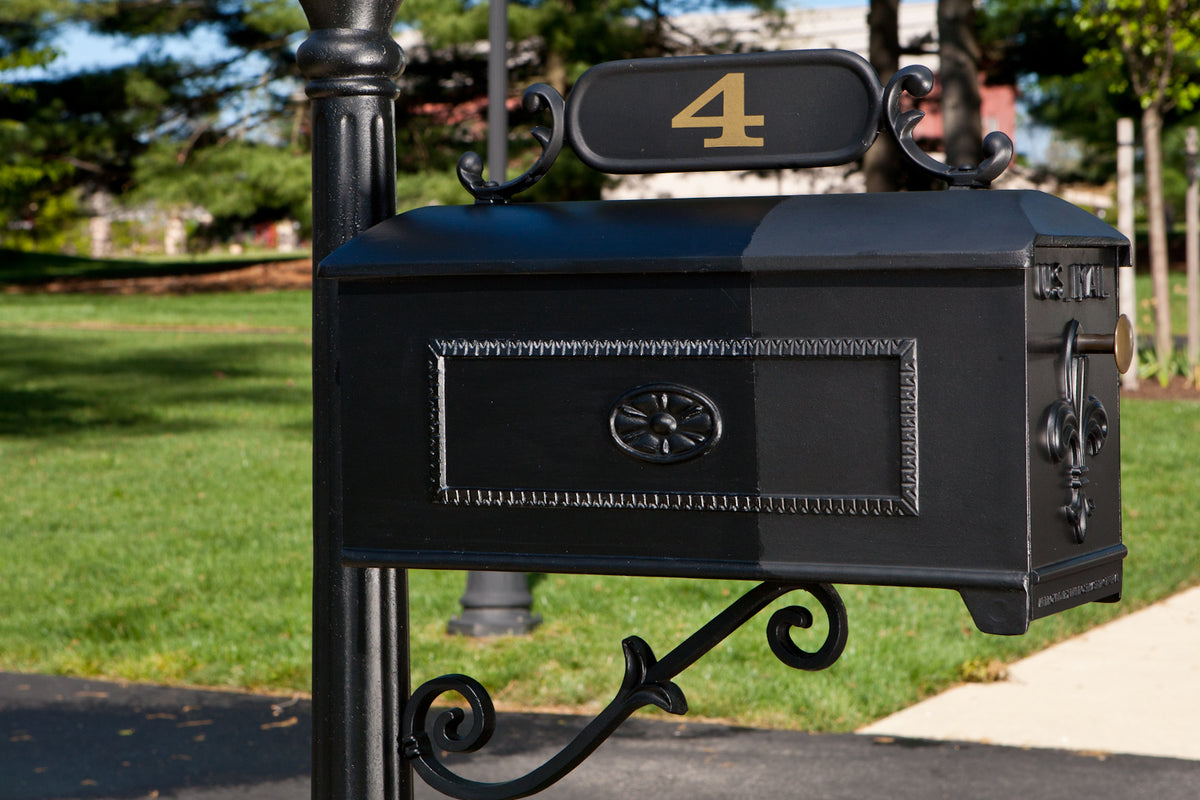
[801, 108]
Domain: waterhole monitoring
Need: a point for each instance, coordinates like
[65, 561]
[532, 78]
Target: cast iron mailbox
[852, 389]
[905, 389]
[900, 389]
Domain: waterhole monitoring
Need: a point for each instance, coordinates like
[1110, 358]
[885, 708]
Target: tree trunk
[556, 53]
[1152, 142]
[556, 71]
[959, 54]
[1127, 224]
[882, 162]
[1193, 253]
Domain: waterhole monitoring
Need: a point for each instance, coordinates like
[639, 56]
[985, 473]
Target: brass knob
[1119, 343]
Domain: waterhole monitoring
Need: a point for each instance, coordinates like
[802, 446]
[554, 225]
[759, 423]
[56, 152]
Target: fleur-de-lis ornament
[1075, 427]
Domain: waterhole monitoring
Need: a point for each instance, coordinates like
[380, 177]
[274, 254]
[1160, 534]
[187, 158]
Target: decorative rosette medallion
[664, 423]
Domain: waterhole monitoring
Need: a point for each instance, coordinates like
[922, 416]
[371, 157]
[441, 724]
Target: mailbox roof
[928, 230]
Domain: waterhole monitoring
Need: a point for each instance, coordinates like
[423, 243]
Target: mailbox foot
[1004, 612]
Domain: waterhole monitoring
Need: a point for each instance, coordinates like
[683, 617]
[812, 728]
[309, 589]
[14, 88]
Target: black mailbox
[889, 389]
[901, 389]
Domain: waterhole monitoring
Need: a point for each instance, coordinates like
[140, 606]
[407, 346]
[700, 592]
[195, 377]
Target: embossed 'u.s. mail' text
[1069, 282]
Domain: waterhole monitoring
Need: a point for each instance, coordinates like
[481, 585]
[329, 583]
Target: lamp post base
[495, 604]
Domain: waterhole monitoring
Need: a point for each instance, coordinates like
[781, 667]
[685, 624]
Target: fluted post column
[360, 616]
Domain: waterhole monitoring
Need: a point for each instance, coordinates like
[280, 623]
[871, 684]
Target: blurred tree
[214, 72]
[1034, 44]
[1152, 47]
[240, 183]
[1037, 45]
[1096, 60]
[882, 163]
[885, 168]
[219, 73]
[572, 35]
[552, 41]
[958, 54]
[22, 47]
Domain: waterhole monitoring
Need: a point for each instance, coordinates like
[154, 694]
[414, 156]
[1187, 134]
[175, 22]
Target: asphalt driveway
[67, 738]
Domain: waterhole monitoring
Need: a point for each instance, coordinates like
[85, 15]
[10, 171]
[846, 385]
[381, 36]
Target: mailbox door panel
[969, 406]
[1080, 392]
[478, 424]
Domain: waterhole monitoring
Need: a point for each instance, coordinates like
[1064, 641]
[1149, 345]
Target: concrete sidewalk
[1131, 686]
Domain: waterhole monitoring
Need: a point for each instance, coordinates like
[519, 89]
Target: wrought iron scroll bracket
[648, 681]
[918, 82]
[539, 97]
[1075, 427]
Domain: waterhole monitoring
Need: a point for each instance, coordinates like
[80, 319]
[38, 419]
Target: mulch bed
[1178, 389]
[266, 277]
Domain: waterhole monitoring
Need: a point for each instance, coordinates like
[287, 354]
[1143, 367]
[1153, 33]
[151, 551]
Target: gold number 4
[733, 121]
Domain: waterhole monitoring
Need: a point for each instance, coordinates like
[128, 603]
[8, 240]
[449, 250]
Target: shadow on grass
[57, 384]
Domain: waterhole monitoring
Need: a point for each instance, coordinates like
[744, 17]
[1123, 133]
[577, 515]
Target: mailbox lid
[930, 230]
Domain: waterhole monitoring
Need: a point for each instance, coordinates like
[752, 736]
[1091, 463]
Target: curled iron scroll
[647, 682]
[539, 97]
[918, 82]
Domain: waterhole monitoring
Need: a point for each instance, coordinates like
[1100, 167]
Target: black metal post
[360, 616]
[496, 603]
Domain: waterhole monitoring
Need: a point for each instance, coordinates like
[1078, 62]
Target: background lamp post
[496, 603]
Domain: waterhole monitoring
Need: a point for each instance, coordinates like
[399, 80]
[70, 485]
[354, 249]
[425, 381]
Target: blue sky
[81, 51]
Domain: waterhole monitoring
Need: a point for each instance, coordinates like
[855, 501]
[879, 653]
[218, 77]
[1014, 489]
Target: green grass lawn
[1145, 297]
[154, 498]
[155, 523]
[217, 311]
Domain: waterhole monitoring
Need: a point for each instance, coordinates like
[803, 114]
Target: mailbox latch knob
[1119, 343]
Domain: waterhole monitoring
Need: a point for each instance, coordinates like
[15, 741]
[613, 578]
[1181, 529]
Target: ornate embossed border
[903, 349]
